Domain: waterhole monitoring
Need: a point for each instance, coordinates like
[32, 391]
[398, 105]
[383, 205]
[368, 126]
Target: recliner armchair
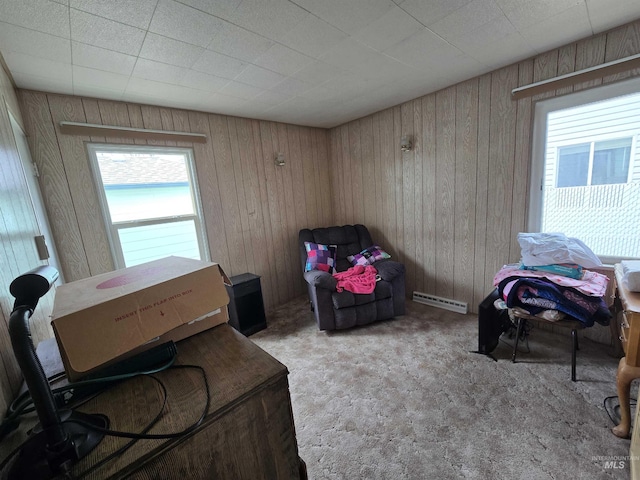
[339, 310]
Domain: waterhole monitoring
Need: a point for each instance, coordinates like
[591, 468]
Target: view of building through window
[591, 178]
[150, 202]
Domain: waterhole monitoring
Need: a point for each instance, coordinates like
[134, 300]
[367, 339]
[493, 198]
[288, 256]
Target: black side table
[246, 308]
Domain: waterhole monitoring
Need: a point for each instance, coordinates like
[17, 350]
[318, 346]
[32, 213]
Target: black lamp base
[35, 460]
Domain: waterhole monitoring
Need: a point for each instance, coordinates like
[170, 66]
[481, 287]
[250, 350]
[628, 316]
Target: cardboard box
[100, 320]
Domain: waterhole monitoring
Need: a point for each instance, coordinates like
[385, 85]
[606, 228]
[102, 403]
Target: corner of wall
[9, 93]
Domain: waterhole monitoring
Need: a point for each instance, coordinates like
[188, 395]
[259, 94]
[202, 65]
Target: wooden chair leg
[574, 345]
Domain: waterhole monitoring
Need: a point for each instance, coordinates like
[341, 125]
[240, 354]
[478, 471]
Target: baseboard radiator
[440, 302]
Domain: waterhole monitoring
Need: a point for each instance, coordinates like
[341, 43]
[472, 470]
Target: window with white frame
[150, 202]
[585, 179]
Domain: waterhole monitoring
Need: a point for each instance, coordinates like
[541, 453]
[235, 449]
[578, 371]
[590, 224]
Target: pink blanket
[357, 279]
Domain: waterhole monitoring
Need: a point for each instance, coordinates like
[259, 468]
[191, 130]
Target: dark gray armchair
[338, 310]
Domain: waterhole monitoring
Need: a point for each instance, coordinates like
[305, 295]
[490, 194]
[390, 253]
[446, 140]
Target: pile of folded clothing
[556, 290]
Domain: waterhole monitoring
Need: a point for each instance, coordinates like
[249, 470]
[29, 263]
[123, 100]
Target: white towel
[631, 274]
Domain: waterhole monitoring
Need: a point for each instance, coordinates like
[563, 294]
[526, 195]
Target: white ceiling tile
[467, 18]
[279, 108]
[36, 44]
[136, 13]
[289, 60]
[525, 13]
[219, 8]
[290, 108]
[348, 16]
[382, 98]
[318, 72]
[203, 81]
[376, 65]
[565, 27]
[239, 43]
[42, 15]
[142, 86]
[44, 84]
[97, 92]
[99, 79]
[422, 49]
[496, 29]
[380, 68]
[272, 19]
[343, 87]
[39, 74]
[28, 65]
[431, 11]
[393, 27]
[461, 67]
[154, 93]
[283, 60]
[292, 86]
[215, 63]
[360, 107]
[179, 94]
[348, 53]
[100, 32]
[505, 51]
[240, 90]
[272, 98]
[168, 50]
[181, 22]
[151, 88]
[321, 92]
[102, 59]
[313, 36]
[605, 14]
[259, 77]
[226, 102]
[159, 72]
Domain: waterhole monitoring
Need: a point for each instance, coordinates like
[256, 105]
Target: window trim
[538, 144]
[112, 228]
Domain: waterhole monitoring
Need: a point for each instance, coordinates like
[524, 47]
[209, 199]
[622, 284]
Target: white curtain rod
[591, 73]
[88, 129]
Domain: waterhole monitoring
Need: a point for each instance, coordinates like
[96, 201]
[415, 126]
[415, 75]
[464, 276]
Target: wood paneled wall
[18, 226]
[451, 208]
[253, 209]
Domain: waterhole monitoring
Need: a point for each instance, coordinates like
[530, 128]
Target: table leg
[626, 374]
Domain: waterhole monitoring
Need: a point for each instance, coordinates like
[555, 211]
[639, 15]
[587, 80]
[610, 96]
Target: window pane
[611, 161]
[151, 242]
[573, 165]
[141, 186]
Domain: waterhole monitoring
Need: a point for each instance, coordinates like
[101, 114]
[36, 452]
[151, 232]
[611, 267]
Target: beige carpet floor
[405, 399]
